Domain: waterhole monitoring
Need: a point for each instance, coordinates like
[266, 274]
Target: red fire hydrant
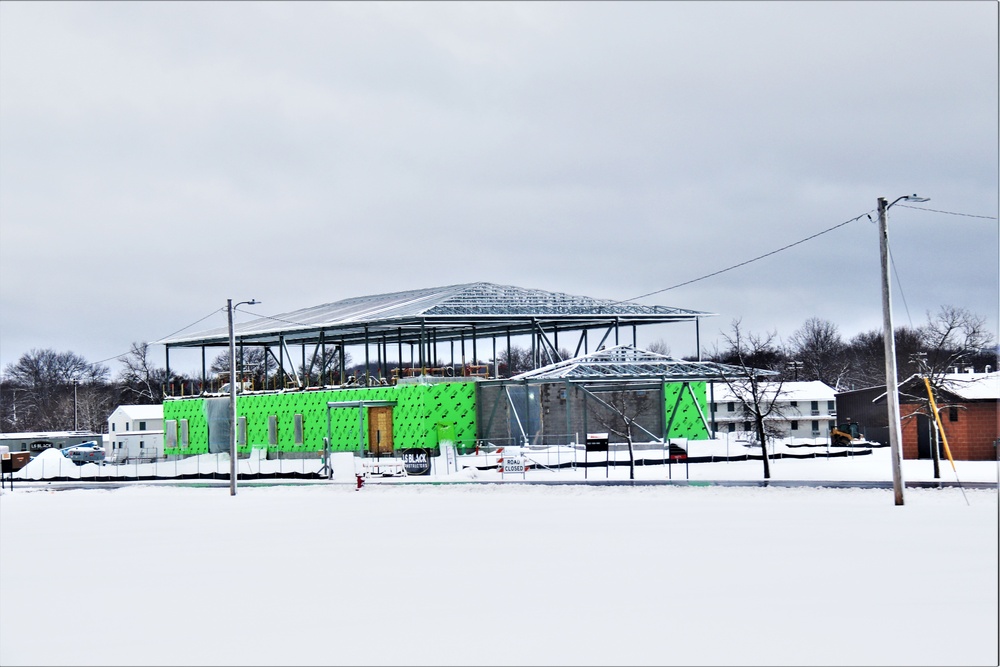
[361, 481]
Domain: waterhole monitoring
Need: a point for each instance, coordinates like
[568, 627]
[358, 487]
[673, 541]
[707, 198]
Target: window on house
[732, 428]
[746, 426]
[112, 427]
[795, 425]
[142, 444]
[126, 426]
[731, 407]
[953, 414]
[815, 426]
[142, 426]
[794, 404]
[831, 405]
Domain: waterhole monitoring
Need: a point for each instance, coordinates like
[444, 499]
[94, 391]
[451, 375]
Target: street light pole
[232, 393]
[889, 338]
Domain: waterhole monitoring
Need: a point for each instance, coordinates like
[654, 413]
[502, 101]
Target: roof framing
[454, 312]
[626, 363]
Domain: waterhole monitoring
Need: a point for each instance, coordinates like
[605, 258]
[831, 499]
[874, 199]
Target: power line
[899, 284]
[749, 261]
[932, 210]
[119, 356]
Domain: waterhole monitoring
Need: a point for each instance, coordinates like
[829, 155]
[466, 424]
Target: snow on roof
[973, 386]
[141, 411]
[813, 390]
[48, 435]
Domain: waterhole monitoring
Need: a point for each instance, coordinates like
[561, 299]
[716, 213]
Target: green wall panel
[418, 411]
[193, 410]
[687, 422]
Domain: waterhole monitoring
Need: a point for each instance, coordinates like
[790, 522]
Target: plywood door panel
[380, 430]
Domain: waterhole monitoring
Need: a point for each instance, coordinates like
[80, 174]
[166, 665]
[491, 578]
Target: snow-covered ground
[564, 463]
[400, 573]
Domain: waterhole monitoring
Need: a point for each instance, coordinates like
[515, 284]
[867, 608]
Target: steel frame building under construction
[553, 402]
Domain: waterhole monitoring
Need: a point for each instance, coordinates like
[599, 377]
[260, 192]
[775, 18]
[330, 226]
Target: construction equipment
[842, 435]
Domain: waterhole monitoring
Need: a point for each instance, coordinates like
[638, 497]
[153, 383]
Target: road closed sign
[512, 464]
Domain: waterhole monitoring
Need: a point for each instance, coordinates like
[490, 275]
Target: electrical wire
[665, 289]
[899, 285]
[119, 356]
[964, 215]
[749, 261]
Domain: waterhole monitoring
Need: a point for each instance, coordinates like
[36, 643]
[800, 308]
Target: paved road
[787, 483]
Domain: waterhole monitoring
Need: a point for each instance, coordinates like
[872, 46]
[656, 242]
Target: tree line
[46, 390]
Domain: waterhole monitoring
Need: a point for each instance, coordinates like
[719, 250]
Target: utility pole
[234, 424]
[889, 337]
[232, 400]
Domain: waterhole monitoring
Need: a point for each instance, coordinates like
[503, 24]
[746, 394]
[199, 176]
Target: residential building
[804, 410]
[135, 431]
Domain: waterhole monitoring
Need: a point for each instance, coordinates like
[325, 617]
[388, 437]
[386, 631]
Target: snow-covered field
[566, 463]
[506, 573]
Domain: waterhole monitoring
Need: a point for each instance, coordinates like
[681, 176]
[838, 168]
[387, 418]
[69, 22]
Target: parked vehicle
[85, 452]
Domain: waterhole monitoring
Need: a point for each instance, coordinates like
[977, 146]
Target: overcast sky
[157, 159]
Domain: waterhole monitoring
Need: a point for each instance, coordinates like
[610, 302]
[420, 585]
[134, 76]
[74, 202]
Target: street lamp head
[913, 198]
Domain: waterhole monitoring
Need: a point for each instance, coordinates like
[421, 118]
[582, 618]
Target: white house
[135, 431]
[808, 410]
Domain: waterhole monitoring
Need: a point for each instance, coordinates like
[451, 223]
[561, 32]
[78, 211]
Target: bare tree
[659, 346]
[757, 395]
[141, 380]
[624, 409]
[323, 368]
[518, 361]
[818, 347]
[249, 365]
[866, 356]
[952, 338]
[47, 384]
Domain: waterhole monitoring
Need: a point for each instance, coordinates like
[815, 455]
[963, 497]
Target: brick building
[967, 404]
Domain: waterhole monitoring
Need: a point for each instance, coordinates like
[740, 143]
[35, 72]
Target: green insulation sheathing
[681, 410]
[420, 412]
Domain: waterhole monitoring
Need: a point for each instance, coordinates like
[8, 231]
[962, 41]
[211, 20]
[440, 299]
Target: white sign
[512, 464]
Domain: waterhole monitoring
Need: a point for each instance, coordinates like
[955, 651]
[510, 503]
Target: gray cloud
[159, 158]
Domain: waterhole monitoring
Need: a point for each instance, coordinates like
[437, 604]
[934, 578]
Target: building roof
[48, 435]
[453, 312]
[973, 386]
[141, 411]
[963, 386]
[813, 390]
[626, 362]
